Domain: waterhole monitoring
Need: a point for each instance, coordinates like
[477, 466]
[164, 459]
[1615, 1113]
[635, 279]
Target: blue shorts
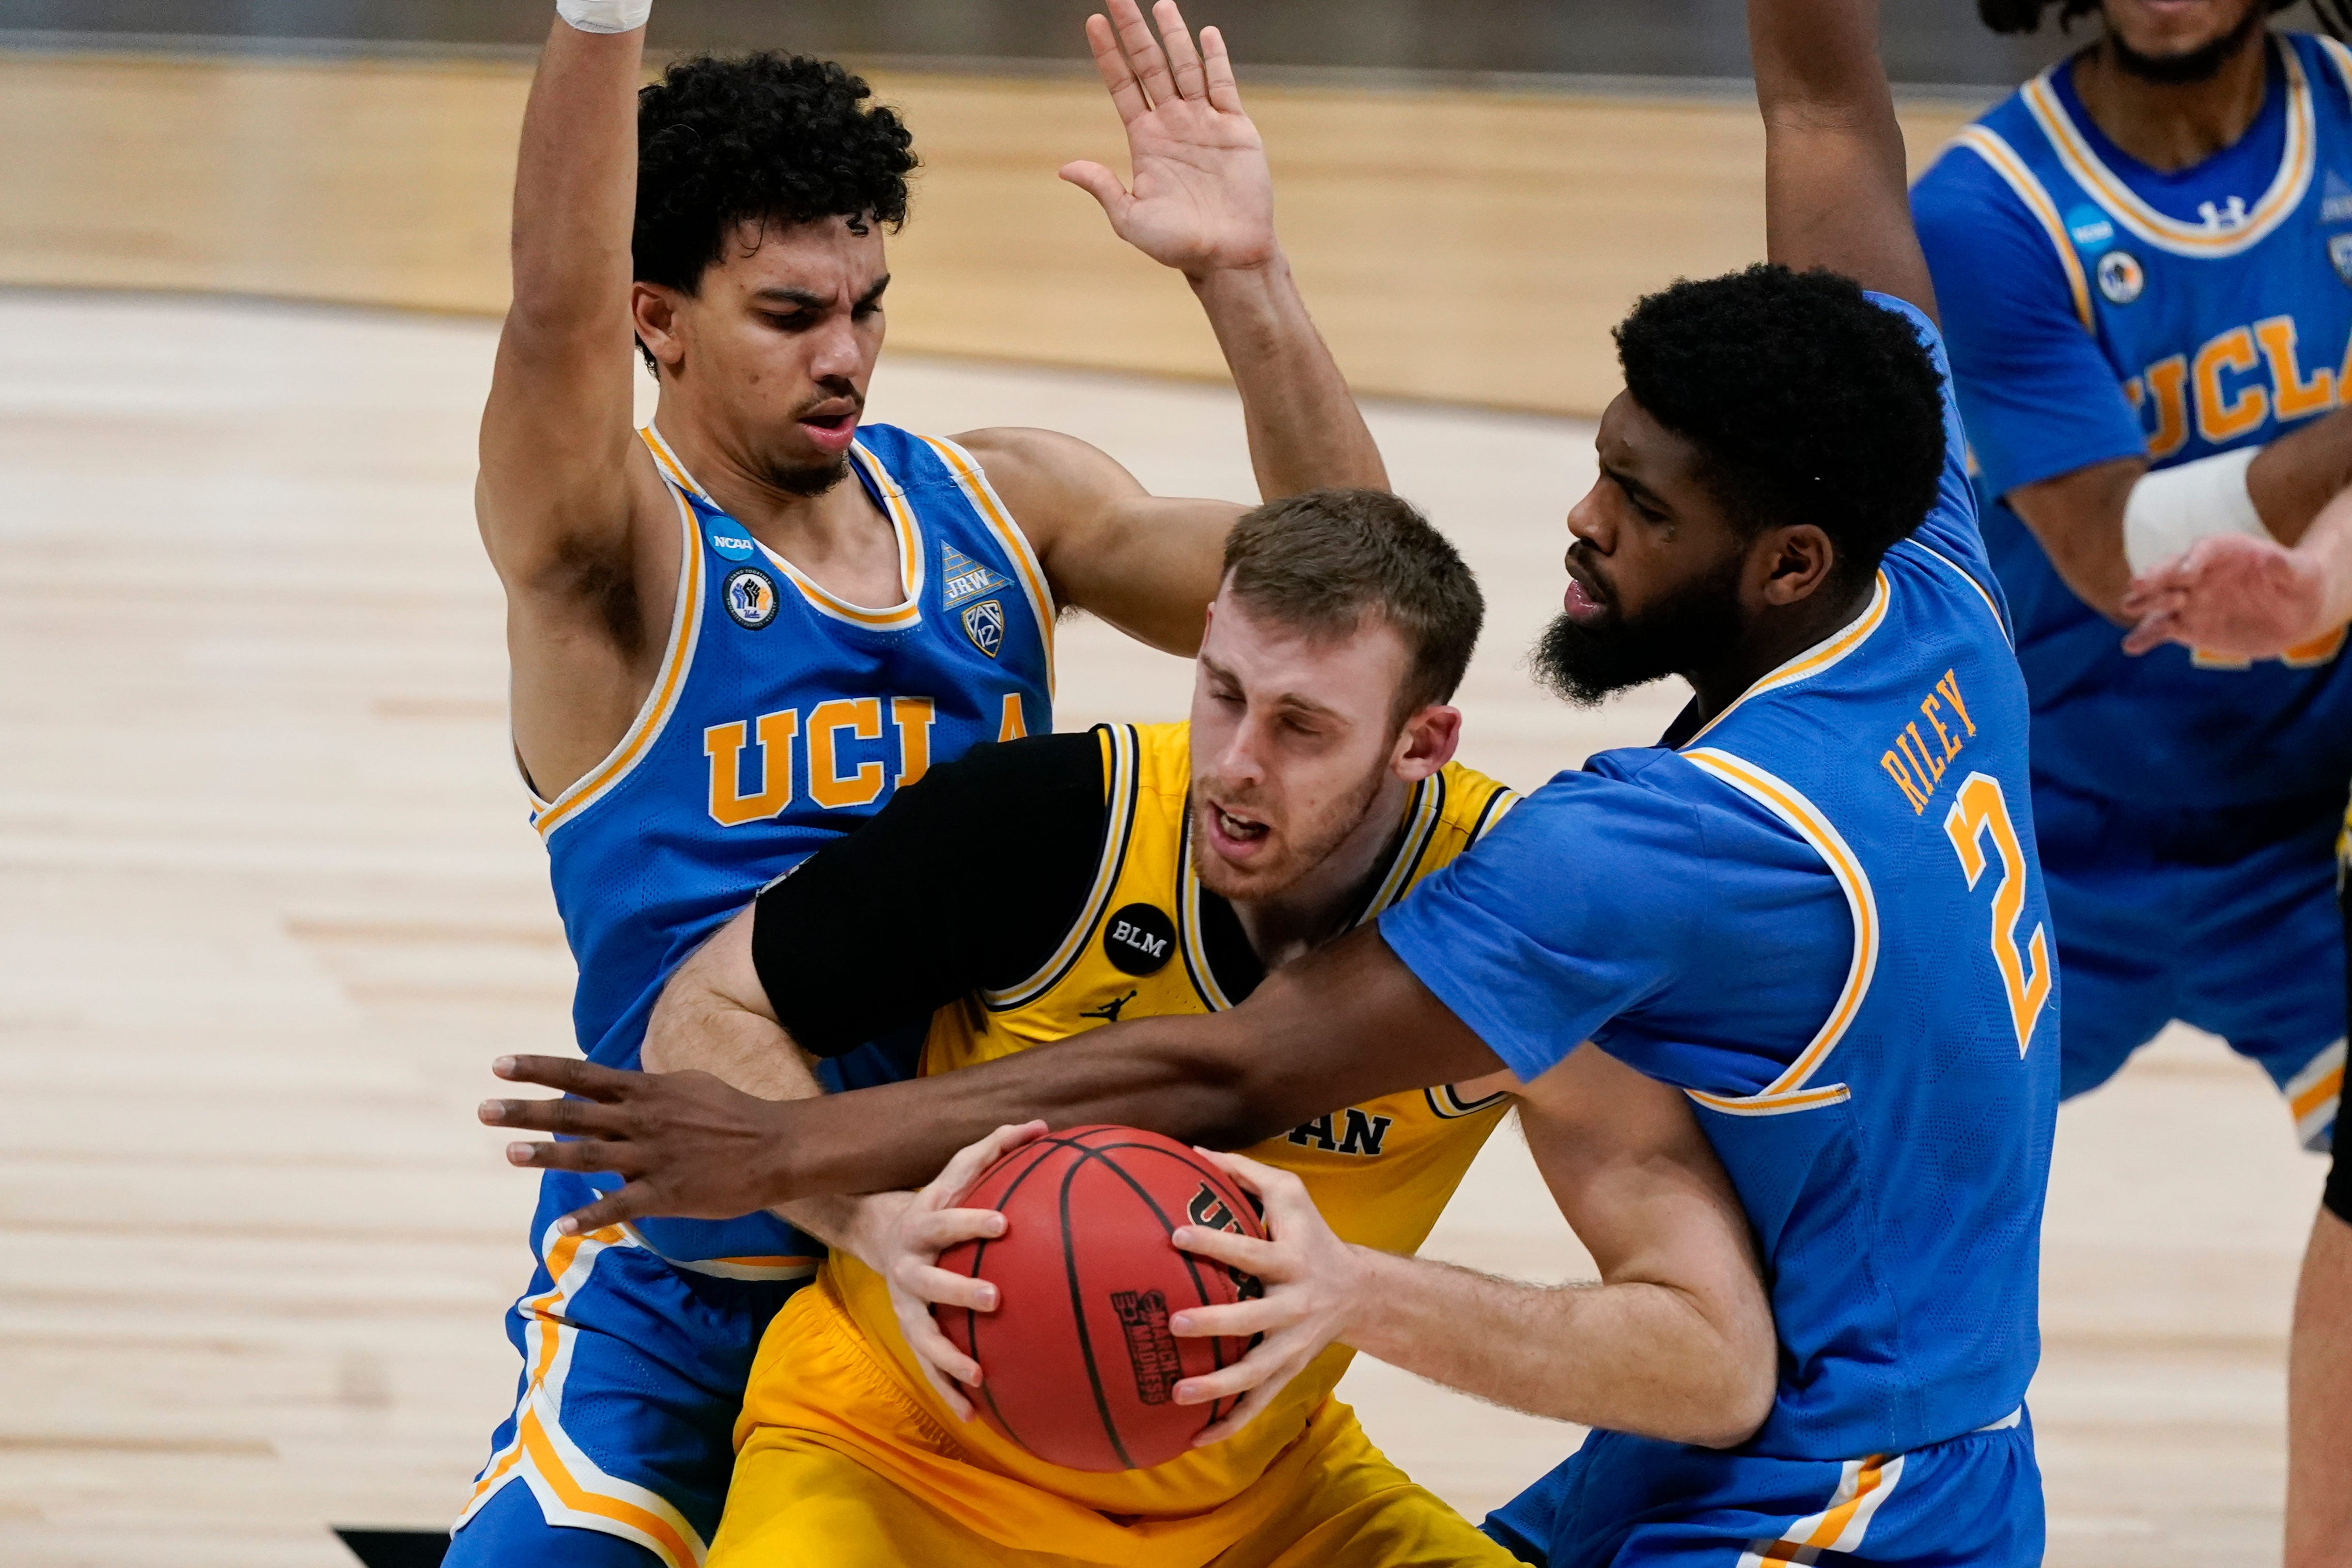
[2222, 919]
[1633, 1503]
[622, 1439]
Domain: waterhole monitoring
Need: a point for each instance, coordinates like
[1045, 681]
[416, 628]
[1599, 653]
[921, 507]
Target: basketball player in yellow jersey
[1037, 889]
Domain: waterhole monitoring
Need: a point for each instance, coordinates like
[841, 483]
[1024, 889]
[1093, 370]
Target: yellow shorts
[843, 1469]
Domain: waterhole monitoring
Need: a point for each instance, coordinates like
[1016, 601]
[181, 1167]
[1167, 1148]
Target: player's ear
[655, 311]
[1427, 742]
[1797, 560]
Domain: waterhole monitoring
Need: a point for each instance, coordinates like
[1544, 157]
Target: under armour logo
[1108, 1011]
[2220, 219]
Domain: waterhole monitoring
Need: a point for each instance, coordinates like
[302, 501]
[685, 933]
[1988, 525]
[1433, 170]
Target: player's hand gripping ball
[1078, 1366]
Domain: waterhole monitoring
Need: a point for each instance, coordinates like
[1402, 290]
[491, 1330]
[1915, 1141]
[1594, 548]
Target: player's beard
[810, 480]
[1696, 625]
[2200, 64]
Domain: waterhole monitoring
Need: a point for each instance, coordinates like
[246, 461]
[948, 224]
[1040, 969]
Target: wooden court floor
[269, 903]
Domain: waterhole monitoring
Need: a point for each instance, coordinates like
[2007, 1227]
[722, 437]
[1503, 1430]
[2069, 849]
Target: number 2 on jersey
[1981, 810]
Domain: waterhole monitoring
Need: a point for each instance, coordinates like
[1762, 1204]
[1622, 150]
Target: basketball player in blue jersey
[736, 634]
[2145, 261]
[1808, 928]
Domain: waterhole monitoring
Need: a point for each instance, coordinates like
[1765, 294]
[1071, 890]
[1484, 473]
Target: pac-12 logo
[985, 624]
[2339, 255]
[750, 595]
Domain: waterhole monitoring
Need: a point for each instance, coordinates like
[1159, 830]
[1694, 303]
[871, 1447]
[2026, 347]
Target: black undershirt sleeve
[968, 880]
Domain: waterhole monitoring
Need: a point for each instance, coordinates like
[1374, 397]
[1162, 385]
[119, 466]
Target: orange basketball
[1078, 1363]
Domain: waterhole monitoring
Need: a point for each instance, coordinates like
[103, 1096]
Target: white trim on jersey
[2212, 238]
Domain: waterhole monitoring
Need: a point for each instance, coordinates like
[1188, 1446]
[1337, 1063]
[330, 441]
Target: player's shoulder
[1472, 801]
[1983, 173]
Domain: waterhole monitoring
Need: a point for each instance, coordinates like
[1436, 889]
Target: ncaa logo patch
[2339, 255]
[1139, 939]
[2120, 278]
[749, 596]
[985, 624]
[734, 547]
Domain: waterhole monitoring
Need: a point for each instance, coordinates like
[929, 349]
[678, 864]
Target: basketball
[1077, 1361]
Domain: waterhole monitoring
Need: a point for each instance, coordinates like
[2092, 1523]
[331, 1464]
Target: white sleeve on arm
[605, 15]
[2173, 509]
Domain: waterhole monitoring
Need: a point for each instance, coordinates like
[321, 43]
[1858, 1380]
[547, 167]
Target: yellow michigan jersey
[835, 1391]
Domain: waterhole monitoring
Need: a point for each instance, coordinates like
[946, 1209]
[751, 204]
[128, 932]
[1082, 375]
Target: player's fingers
[936, 1231]
[1247, 1253]
[573, 1118]
[589, 1154]
[1143, 51]
[1284, 1195]
[1110, 64]
[1101, 185]
[1266, 1363]
[974, 1158]
[945, 1286]
[1239, 1321]
[627, 1203]
[1224, 92]
[568, 1073]
[1247, 1411]
[2152, 632]
[942, 1364]
[1183, 59]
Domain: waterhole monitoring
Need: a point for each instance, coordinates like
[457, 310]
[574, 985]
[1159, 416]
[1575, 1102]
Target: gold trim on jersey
[653, 714]
[1448, 1102]
[1789, 1092]
[1822, 655]
[2297, 160]
[1120, 745]
[2002, 159]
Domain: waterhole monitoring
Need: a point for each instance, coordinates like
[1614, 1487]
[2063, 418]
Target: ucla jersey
[1381, 1172]
[1822, 917]
[2208, 310]
[782, 717]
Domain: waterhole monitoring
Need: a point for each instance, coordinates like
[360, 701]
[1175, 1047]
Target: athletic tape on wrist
[2171, 510]
[605, 15]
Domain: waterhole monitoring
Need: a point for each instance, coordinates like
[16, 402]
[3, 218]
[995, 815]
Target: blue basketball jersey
[782, 718]
[2098, 308]
[1822, 917]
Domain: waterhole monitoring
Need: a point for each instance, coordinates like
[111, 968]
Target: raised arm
[565, 495]
[1200, 201]
[1342, 1026]
[1835, 194]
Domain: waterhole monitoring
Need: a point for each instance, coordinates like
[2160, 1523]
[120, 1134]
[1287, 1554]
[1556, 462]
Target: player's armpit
[1147, 564]
[1677, 1343]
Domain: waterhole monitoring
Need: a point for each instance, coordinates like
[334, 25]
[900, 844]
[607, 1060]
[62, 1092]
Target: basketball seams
[1083, 1144]
[1078, 1310]
[1191, 1263]
[1042, 1147]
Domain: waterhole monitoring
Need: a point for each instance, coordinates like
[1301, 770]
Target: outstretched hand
[2230, 595]
[1311, 1278]
[1203, 197]
[688, 1144]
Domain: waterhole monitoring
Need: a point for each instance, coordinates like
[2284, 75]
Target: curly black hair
[1807, 401]
[2025, 16]
[765, 136]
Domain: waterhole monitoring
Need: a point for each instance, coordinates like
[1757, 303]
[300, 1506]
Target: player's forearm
[1342, 1026]
[1637, 1357]
[1306, 432]
[2293, 479]
[575, 183]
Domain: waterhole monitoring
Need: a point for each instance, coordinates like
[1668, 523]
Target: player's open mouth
[1233, 835]
[832, 427]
